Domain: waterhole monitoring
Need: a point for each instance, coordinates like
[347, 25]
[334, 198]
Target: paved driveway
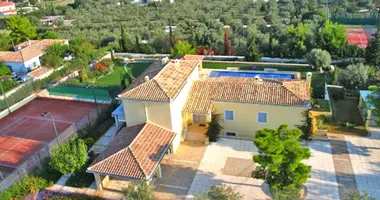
[178, 171]
[215, 169]
[365, 160]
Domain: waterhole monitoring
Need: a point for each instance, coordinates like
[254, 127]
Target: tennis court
[26, 136]
[360, 36]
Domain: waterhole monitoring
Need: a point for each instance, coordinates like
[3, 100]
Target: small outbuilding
[135, 154]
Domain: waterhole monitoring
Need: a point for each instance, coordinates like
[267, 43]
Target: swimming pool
[252, 74]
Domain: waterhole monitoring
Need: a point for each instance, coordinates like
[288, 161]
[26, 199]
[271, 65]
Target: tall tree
[253, 53]
[372, 53]
[137, 43]
[122, 39]
[69, 156]
[181, 49]
[280, 158]
[21, 29]
[227, 44]
[334, 36]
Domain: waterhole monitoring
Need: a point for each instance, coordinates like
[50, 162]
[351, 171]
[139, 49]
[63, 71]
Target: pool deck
[205, 73]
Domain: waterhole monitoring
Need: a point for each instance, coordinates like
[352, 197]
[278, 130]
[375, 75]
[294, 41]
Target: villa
[173, 101]
[7, 8]
[26, 56]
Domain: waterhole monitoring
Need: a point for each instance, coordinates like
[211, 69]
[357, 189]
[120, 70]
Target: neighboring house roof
[9, 11]
[36, 48]
[5, 3]
[193, 57]
[39, 72]
[246, 90]
[166, 84]
[135, 152]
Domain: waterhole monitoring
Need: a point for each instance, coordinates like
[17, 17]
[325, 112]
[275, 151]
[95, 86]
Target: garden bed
[346, 115]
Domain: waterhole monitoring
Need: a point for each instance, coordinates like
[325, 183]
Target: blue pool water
[251, 74]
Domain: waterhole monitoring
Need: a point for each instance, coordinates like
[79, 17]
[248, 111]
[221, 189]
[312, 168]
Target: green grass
[116, 77]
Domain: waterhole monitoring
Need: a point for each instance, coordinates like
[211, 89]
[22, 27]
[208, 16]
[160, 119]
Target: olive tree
[319, 58]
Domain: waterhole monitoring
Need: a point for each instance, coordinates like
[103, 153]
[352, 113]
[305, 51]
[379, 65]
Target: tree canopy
[69, 156]
[182, 48]
[319, 58]
[20, 28]
[281, 158]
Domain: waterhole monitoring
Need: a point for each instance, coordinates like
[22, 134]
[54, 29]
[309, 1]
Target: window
[229, 133]
[262, 117]
[229, 115]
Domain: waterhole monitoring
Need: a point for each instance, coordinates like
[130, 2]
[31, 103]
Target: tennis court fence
[10, 174]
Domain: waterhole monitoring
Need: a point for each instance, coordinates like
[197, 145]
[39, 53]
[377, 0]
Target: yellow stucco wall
[134, 112]
[245, 122]
[159, 113]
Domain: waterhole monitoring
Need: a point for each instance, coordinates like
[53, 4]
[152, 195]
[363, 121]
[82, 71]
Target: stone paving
[322, 184]
[210, 171]
[365, 159]
[343, 168]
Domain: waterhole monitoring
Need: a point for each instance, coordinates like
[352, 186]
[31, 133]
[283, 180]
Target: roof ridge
[166, 94]
[134, 157]
[118, 152]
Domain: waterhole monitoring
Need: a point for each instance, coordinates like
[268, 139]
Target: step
[196, 137]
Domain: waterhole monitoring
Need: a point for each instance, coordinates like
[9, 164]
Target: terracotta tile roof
[135, 152]
[37, 48]
[246, 90]
[151, 71]
[166, 84]
[4, 3]
[9, 11]
[39, 72]
[193, 57]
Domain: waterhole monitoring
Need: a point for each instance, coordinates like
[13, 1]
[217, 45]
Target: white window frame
[225, 133]
[266, 118]
[233, 115]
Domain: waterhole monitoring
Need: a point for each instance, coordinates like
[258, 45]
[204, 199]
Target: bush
[69, 156]
[142, 191]
[219, 193]
[89, 142]
[290, 194]
[74, 197]
[27, 185]
[357, 195]
[214, 128]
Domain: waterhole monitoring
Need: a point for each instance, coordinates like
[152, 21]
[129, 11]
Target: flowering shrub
[100, 66]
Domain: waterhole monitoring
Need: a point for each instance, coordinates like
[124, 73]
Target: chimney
[146, 78]
[257, 77]
[176, 62]
[28, 43]
[308, 77]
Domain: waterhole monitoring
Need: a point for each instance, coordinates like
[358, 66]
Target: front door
[199, 119]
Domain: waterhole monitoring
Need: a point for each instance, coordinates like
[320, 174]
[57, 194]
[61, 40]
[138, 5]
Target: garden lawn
[116, 77]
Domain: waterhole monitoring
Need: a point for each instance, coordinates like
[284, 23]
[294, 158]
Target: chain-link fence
[9, 174]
